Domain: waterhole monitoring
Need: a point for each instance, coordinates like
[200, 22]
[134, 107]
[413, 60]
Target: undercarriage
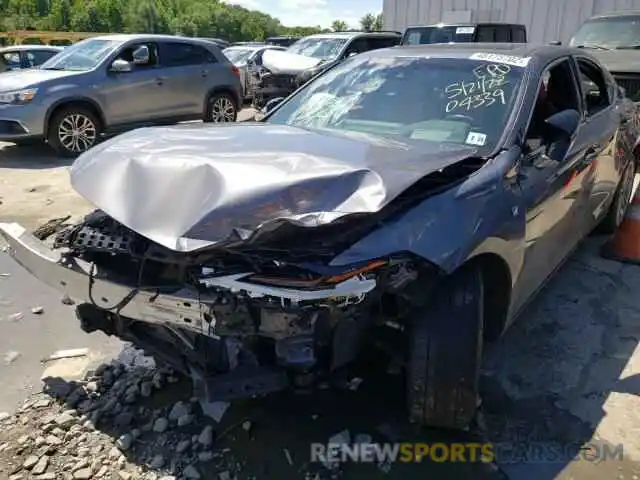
[244, 323]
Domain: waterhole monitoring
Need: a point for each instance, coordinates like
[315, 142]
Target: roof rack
[363, 31]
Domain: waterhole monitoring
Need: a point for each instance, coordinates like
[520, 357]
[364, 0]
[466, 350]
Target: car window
[503, 34]
[82, 56]
[595, 91]
[38, 57]
[486, 34]
[9, 61]
[383, 42]
[238, 55]
[127, 55]
[440, 102]
[519, 35]
[178, 54]
[557, 92]
[440, 34]
[609, 32]
[323, 48]
[359, 45]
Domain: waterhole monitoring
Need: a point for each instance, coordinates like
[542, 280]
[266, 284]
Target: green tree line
[202, 18]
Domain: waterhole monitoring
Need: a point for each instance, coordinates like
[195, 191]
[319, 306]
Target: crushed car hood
[279, 62]
[624, 61]
[190, 186]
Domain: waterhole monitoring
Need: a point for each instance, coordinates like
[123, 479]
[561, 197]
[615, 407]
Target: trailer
[545, 20]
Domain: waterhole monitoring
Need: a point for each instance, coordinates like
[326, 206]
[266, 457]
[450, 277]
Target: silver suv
[112, 83]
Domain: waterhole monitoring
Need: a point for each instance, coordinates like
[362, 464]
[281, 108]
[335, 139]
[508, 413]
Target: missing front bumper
[185, 307]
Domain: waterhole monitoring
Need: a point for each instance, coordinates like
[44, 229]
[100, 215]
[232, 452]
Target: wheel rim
[77, 133]
[222, 110]
[625, 195]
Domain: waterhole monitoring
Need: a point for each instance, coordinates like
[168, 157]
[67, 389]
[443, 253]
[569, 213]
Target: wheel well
[227, 90]
[496, 277]
[93, 108]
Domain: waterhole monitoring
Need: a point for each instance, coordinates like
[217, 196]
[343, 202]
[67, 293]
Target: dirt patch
[34, 187]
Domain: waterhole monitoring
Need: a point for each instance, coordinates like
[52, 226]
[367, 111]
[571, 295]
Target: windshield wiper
[52, 68]
[629, 47]
[593, 46]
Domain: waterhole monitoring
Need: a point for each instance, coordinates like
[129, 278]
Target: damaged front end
[247, 322]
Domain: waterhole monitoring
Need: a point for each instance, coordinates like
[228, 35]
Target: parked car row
[107, 84]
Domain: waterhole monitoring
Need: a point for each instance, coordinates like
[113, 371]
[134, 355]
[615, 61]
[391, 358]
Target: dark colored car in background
[18, 57]
[465, 33]
[614, 38]
[283, 72]
[411, 199]
[283, 41]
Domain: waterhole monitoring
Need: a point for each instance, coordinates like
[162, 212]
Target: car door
[136, 96]
[187, 70]
[600, 133]
[556, 193]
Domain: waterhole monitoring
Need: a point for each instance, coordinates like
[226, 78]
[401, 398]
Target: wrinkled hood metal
[190, 186]
[19, 79]
[279, 62]
[623, 61]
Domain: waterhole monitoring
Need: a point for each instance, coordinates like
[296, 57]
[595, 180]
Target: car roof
[467, 24]
[252, 46]
[464, 50]
[622, 13]
[352, 34]
[15, 48]
[125, 37]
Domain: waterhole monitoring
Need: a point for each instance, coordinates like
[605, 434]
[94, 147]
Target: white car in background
[248, 57]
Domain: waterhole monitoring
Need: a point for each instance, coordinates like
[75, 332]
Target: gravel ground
[568, 372]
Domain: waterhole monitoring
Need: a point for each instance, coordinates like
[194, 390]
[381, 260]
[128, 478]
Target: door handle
[159, 81]
[204, 73]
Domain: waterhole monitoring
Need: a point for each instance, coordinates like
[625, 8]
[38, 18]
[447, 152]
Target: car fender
[482, 214]
[70, 99]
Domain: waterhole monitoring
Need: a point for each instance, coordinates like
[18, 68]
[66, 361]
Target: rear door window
[503, 34]
[518, 35]
[486, 34]
[178, 54]
[9, 61]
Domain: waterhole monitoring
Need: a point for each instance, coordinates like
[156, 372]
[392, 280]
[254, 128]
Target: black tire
[621, 200]
[66, 118]
[222, 107]
[445, 352]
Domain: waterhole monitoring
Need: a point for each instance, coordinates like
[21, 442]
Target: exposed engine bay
[252, 324]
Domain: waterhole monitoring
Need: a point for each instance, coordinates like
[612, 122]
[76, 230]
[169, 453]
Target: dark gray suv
[112, 83]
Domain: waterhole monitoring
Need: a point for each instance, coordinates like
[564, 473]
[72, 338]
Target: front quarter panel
[483, 214]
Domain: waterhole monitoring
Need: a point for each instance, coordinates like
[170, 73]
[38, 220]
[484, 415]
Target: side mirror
[141, 55]
[272, 104]
[566, 122]
[120, 66]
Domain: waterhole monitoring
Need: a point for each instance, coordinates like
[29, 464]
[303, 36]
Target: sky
[314, 12]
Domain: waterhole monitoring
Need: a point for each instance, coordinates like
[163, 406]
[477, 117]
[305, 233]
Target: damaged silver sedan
[411, 198]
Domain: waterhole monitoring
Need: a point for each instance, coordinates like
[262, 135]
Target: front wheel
[445, 350]
[73, 130]
[221, 108]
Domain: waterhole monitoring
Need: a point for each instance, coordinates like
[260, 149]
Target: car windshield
[444, 34]
[463, 101]
[323, 48]
[238, 55]
[84, 55]
[612, 32]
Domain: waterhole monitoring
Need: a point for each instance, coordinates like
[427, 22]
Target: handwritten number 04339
[472, 102]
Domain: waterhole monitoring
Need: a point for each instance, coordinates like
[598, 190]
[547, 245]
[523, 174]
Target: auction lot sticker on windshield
[497, 58]
[478, 139]
[465, 30]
